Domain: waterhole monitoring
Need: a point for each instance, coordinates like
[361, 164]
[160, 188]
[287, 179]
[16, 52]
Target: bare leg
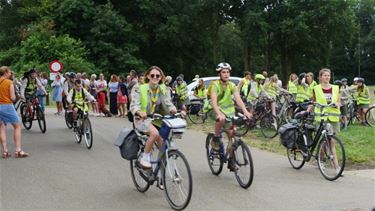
[3, 137]
[17, 136]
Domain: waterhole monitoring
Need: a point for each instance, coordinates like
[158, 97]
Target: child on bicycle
[221, 95]
[29, 85]
[76, 99]
[146, 99]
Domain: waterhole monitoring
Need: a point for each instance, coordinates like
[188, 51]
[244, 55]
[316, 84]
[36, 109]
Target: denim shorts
[8, 114]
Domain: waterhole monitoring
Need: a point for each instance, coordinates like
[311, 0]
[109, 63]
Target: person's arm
[167, 103]
[66, 88]
[69, 96]
[135, 104]
[215, 106]
[239, 86]
[88, 95]
[40, 86]
[240, 103]
[12, 93]
[23, 87]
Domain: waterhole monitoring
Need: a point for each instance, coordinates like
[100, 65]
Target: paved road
[62, 175]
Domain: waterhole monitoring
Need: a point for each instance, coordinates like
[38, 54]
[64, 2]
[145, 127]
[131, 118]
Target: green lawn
[358, 140]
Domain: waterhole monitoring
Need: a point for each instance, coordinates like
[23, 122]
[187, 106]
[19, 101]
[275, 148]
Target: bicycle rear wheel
[244, 165]
[41, 119]
[215, 162]
[177, 180]
[370, 116]
[27, 121]
[139, 177]
[242, 129]
[295, 158]
[87, 132]
[196, 117]
[269, 125]
[331, 157]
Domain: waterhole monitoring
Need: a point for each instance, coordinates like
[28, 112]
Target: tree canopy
[190, 37]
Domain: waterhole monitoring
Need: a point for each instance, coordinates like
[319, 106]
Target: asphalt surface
[63, 175]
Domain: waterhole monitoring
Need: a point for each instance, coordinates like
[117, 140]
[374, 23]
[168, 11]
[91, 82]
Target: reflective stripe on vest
[144, 89]
[292, 88]
[363, 97]
[332, 112]
[302, 94]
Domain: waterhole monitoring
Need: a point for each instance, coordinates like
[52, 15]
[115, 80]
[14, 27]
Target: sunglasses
[155, 76]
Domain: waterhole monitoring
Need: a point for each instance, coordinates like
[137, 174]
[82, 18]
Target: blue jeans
[41, 102]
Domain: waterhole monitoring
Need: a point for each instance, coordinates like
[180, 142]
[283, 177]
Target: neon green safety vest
[258, 90]
[333, 112]
[201, 93]
[181, 90]
[362, 97]
[145, 89]
[302, 94]
[311, 88]
[31, 86]
[271, 90]
[224, 98]
[245, 86]
[292, 88]
[79, 98]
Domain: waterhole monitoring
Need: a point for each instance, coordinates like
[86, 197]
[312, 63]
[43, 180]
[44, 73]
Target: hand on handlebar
[220, 117]
[248, 115]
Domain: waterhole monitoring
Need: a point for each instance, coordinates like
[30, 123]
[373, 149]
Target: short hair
[78, 81]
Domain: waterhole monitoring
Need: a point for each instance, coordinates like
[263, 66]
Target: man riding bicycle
[221, 93]
[76, 99]
[29, 85]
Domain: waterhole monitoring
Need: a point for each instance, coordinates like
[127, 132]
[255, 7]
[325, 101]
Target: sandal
[21, 154]
[5, 155]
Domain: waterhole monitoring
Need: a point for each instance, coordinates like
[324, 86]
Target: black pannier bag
[288, 135]
[127, 141]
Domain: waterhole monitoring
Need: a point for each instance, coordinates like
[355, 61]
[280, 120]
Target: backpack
[127, 141]
[74, 94]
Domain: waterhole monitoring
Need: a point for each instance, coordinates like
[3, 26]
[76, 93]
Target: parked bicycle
[30, 111]
[353, 115]
[301, 138]
[82, 128]
[284, 107]
[170, 169]
[236, 150]
[195, 112]
[268, 123]
[370, 116]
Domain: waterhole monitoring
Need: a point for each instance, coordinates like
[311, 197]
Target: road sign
[56, 66]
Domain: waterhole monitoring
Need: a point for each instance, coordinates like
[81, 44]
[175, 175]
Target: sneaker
[231, 165]
[215, 143]
[145, 163]
[160, 184]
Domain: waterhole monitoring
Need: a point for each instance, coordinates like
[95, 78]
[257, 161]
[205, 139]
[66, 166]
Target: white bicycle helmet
[223, 65]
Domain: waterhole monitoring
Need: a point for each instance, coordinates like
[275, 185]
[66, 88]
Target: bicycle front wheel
[41, 119]
[244, 165]
[295, 158]
[68, 121]
[215, 162]
[370, 116]
[331, 157]
[87, 132]
[27, 120]
[269, 125]
[139, 178]
[177, 180]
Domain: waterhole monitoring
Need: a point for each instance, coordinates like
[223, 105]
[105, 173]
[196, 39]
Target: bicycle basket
[172, 128]
[288, 135]
[127, 141]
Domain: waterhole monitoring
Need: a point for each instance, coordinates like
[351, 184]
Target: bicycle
[268, 123]
[83, 128]
[304, 142]
[353, 115]
[170, 162]
[30, 111]
[370, 116]
[244, 171]
[68, 118]
[284, 109]
[195, 112]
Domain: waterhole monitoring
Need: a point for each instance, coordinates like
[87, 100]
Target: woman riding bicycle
[326, 94]
[146, 99]
[221, 94]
